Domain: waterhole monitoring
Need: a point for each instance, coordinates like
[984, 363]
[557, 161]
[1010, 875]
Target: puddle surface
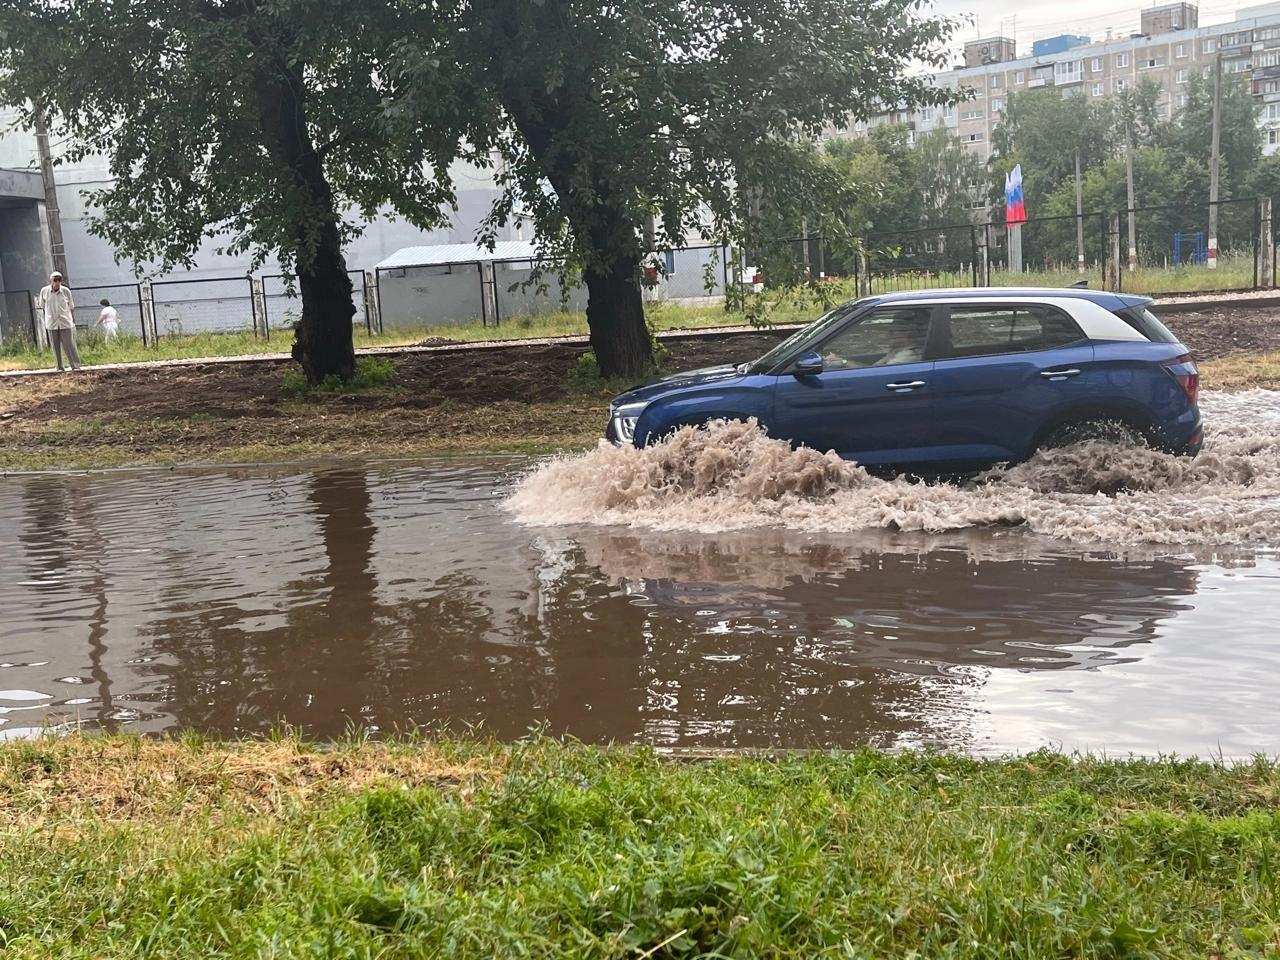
[402, 595]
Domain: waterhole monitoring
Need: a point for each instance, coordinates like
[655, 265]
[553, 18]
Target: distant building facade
[1248, 45]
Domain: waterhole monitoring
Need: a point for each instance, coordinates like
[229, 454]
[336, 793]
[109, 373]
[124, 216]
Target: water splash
[731, 476]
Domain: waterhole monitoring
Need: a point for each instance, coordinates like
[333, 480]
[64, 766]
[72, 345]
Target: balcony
[1040, 82]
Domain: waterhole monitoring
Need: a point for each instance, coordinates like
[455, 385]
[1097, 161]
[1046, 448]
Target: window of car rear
[984, 330]
[1147, 324]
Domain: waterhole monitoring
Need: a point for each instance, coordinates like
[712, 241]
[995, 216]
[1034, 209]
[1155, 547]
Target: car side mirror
[807, 364]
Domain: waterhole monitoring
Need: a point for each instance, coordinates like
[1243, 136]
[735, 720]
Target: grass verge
[115, 847]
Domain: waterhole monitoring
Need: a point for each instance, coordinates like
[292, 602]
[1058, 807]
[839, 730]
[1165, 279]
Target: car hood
[676, 381]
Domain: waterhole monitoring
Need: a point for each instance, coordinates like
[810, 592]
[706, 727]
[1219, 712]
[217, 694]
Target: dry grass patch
[1241, 371]
[126, 779]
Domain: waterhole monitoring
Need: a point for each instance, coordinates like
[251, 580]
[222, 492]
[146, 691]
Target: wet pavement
[401, 595]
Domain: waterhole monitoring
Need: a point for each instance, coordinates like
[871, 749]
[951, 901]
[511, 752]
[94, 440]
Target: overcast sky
[1028, 20]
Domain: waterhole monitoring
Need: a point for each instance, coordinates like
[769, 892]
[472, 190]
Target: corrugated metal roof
[441, 253]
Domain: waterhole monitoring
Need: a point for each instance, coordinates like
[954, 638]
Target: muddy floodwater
[395, 596]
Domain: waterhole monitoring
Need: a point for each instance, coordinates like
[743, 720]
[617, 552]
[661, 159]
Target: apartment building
[1170, 48]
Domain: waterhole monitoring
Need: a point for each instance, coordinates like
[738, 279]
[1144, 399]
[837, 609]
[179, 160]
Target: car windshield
[801, 338]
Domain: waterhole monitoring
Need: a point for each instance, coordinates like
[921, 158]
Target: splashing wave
[731, 476]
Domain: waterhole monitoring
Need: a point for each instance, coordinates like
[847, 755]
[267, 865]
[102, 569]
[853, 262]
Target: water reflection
[400, 596]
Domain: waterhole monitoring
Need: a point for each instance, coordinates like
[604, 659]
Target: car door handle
[905, 385]
[1055, 374]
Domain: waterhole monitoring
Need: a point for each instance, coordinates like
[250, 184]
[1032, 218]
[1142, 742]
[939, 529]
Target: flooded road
[400, 595]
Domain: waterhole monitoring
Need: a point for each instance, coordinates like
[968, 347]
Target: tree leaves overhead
[673, 108]
[169, 93]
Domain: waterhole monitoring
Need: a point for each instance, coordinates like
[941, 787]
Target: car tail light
[1188, 377]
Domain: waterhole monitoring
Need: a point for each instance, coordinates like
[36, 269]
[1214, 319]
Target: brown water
[395, 596]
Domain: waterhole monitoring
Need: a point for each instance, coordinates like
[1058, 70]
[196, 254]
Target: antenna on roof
[1080, 285]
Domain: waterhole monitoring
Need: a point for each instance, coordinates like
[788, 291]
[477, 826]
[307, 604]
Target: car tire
[1100, 428]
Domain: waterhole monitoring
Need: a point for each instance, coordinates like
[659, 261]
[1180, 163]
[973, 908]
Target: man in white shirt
[60, 319]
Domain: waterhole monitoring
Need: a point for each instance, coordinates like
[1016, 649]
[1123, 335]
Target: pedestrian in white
[110, 320]
[60, 319]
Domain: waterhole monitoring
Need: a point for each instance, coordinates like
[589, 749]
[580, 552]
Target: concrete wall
[24, 256]
[430, 296]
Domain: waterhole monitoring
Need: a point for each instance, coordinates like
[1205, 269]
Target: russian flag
[1015, 208]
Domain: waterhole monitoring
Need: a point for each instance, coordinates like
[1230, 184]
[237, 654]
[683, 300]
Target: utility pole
[1079, 218]
[1214, 161]
[56, 249]
[1128, 181]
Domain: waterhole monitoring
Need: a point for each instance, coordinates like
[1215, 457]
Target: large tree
[260, 123]
[683, 111]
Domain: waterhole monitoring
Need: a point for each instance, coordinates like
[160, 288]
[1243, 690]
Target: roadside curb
[706, 333]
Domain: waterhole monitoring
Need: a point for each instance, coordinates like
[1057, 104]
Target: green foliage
[372, 373]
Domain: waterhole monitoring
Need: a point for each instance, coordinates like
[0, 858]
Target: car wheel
[1105, 429]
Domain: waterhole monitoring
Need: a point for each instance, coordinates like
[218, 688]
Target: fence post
[1115, 252]
[370, 302]
[1263, 248]
[142, 317]
[864, 275]
[973, 255]
[984, 254]
[147, 310]
[31, 315]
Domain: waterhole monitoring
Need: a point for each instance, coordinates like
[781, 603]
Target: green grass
[372, 374]
[1234, 272]
[119, 848]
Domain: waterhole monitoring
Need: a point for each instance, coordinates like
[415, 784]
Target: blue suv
[946, 379]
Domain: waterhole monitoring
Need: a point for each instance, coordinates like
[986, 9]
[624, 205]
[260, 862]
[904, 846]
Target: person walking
[60, 319]
[110, 320]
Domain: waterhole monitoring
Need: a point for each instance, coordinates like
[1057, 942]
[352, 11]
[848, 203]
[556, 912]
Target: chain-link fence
[282, 302]
[125, 297]
[204, 305]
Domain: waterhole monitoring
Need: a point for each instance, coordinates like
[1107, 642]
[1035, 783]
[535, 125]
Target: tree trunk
[615, 317]
[323, 343]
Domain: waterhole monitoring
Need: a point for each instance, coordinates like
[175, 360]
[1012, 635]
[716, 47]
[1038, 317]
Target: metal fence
[1165, 249]
[944, 256]
[282, 302]
[125, 297]
[204, 305]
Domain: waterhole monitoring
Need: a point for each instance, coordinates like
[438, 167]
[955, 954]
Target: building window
[1181, 76]
[1097, 89]
[1183, 100]
[997, 105]
[1269, 33]
[1018, 77]
[1122, 59]
[1147, 63]
[1271, 113]
[1269, 60]
[949, 114]
[972, 138]
[1238, 66]
[926, 114]
[1273, 137]
[997, 81]
[1096, 65]
[1209, 45]
[971, 115]
[1120, 84]
[1180, 50]
[1066, 71]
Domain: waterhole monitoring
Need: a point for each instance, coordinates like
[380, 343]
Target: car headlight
[624, 420]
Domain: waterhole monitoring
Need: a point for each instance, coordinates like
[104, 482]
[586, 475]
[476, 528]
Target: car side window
[880, 339]
[983, 331]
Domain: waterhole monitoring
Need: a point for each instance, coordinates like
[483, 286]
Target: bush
[372, 373]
